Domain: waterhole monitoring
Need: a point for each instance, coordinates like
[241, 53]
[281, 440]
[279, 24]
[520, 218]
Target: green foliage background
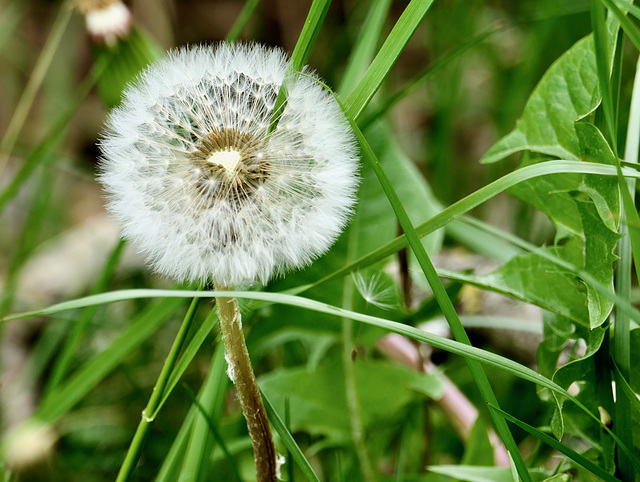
[505, 133]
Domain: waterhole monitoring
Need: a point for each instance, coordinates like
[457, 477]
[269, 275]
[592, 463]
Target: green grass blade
[288, 440]
[362, 52]
[473, 200]
[151, 410]
[209, 404]
[86, 378]
[189, 354]
[33, 85]
[402, 32]
[315, 18]
[553, 443]
[451, 346]
[628, 250]
[459, 333]
[242, 20]
[52, 138]
[63, 362]
[369, 117]
[627, 25]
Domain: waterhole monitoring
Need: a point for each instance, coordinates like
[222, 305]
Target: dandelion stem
[241, 373]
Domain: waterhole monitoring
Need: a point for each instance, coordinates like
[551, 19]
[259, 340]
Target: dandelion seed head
[200, 185]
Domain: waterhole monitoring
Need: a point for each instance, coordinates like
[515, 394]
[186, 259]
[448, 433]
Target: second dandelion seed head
[202, 186]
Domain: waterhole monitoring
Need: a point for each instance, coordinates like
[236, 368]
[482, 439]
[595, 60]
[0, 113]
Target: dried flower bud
[201, 186]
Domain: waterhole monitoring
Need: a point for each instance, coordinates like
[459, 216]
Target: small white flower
[202, 188]
[106, 20]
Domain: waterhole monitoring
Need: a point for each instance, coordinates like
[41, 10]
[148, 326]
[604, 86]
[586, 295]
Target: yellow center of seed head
[227, 159]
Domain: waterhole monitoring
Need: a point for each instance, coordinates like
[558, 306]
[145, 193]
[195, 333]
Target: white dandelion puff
[200, 185]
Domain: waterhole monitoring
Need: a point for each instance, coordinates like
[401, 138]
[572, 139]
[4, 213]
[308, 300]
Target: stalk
[155, 401]
[241, 373]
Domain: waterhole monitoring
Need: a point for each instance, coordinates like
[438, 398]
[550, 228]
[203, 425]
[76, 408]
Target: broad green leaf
[471, 473]
[318, 401]
[567, 92]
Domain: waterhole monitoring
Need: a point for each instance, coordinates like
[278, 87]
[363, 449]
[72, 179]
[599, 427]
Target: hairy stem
[241, 373]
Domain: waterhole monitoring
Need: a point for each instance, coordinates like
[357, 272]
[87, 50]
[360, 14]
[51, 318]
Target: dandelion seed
[376, 288]
[201, 186]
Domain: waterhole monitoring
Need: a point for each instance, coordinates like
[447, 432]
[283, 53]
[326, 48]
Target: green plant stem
[150, 411]
[241, 373]
[353, 404]
[35, 81]
[348, 366]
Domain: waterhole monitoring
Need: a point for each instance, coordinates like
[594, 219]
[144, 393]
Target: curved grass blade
[367, 40]
[288, 440]
[402, 32]
[477, 372]
[242, 20]
[53, 136]
[473, 200]
[33, 85]
[451, 346]
[572, 454]
[425, 75]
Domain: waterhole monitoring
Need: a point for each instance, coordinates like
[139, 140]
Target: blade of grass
[288, 440]
[242, 20]
[477, 372]
[305, 303]
[627, 25]
[86, 378]
[369, 117]
[471, 201]
[33, 85]
[189, 353]
[362, 52]
[402, 32]
[630, 245]
[628, 250]
[553, 443]
[150, 412]
[209, 404]
[315, 18]
[53, 136]
[63, 362]
[451, 346]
